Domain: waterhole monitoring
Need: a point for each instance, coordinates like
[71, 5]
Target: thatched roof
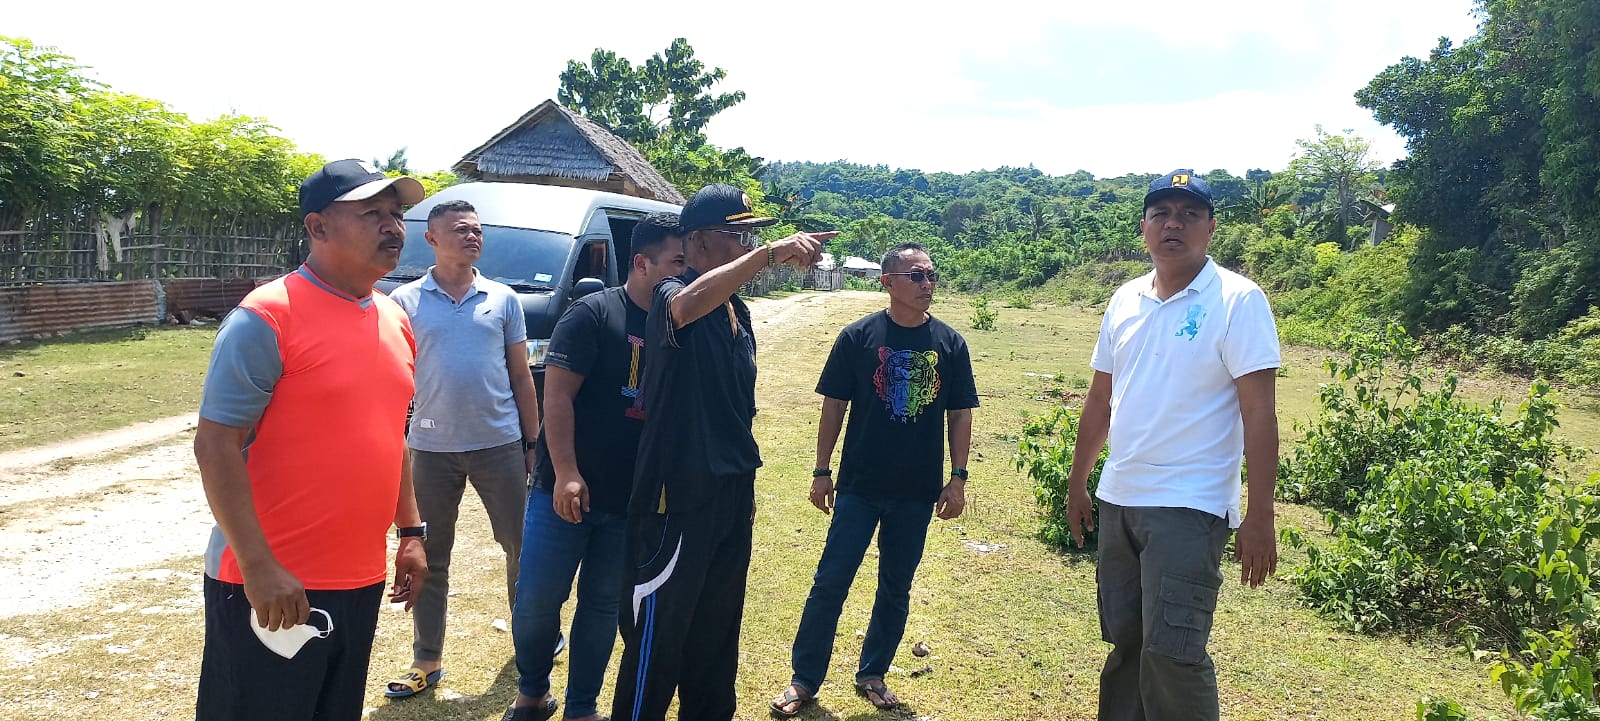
[551, 145]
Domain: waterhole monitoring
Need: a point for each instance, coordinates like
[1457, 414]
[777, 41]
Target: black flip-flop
[532, 713]
[790, 697]
[879, 689]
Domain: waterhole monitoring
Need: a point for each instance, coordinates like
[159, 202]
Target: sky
[1107, 87]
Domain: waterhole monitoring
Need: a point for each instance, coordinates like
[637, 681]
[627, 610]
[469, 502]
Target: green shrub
[1571, 355]
[1432, 709]
[1093, 283]
[1045, 452]
[1378, 414]
[1277, 263]
[853, 283]
[1456, 518]
[982, 315]
[1020, 301]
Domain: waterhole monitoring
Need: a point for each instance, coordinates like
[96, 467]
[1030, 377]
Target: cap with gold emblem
[1180, 181]
[719, 204]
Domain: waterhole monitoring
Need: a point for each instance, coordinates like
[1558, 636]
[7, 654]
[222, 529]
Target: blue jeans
[552, 550]
[902, 528]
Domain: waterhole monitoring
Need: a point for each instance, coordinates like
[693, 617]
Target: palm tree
[396, 163]
[1261, 200]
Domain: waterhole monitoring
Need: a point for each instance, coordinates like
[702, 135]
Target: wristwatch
[412, 532]
[959, 473]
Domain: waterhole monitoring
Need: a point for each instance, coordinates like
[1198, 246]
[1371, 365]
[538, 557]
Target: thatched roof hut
[551, 145]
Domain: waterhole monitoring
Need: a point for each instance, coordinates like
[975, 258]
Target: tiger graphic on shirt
[907, 381]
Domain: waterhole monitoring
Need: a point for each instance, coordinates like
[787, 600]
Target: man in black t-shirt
[902, 374]
[583, 473]
[693, 503]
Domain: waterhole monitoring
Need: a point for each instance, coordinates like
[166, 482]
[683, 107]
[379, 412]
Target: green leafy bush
[982, 315]
[1045, 452]
[1572, 355]
[1450, 516]
[1432, 709]
[853, 283]
[1378, 414]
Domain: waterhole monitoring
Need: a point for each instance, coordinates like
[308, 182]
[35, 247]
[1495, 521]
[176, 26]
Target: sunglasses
[918, 276]
[747, 238]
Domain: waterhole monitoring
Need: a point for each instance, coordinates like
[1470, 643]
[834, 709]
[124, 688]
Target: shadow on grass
[427, 706]
[110, 335]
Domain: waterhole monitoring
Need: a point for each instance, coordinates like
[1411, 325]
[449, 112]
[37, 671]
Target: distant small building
[551, 145]
[861, 267]
[1377, 216]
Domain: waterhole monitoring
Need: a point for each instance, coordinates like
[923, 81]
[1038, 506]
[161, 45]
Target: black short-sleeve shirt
[899, 382]
[601, 337]
[700, 401]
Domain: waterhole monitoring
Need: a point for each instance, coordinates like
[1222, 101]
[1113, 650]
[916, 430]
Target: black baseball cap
[1180, 181]
[719, 204]
[353, 179]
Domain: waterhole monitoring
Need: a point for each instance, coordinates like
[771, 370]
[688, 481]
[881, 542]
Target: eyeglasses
[747, 238]
[918, 276]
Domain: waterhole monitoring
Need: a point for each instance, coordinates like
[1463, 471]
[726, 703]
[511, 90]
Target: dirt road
[78, 515]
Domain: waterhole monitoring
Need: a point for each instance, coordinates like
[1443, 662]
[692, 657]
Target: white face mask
[286, 642]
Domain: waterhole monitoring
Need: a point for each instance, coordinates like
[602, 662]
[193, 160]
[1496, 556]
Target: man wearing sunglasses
[903, 374]
[693, 501]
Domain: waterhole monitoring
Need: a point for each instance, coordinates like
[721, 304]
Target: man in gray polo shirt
[474, 407]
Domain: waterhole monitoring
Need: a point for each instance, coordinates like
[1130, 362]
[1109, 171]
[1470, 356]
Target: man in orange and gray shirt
[302, 453]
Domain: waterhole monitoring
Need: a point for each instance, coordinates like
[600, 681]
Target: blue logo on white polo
[1192, 321]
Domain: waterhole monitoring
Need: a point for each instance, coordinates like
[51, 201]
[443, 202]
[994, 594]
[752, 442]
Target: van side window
[591, 261]
[622, 238]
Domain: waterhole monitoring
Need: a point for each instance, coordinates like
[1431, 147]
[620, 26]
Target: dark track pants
[682, 607]
[242, 680]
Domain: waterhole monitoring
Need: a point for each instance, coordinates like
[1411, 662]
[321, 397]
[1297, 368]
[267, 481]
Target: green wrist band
[820, 472]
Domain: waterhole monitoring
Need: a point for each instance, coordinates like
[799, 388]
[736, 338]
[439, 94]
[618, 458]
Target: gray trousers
[1158, 578]
[500, 477]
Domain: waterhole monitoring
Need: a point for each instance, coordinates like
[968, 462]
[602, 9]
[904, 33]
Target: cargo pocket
[1100, 607]
[1184, 627]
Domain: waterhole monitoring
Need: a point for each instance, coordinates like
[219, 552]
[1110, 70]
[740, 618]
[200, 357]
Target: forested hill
[987, 228]
[1309, 242]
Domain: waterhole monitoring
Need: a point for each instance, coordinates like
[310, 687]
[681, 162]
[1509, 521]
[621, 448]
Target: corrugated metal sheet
[206, 297]
[42, 310]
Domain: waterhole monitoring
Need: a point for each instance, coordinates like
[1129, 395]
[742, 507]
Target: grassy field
[1011, 623]
[98, 381]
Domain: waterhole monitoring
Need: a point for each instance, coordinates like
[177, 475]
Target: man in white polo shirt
[1183, 388]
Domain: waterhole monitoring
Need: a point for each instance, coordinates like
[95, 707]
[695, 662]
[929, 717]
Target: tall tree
[662, 106]
[1504, 165]
[1343, 164]
[43, 94]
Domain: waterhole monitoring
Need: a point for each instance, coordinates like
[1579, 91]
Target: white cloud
[872, 82]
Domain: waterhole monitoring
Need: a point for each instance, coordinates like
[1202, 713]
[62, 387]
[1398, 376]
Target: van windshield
[526, 260]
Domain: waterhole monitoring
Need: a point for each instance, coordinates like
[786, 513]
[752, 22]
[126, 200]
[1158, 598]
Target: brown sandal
[878, 694]
[791, 695]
